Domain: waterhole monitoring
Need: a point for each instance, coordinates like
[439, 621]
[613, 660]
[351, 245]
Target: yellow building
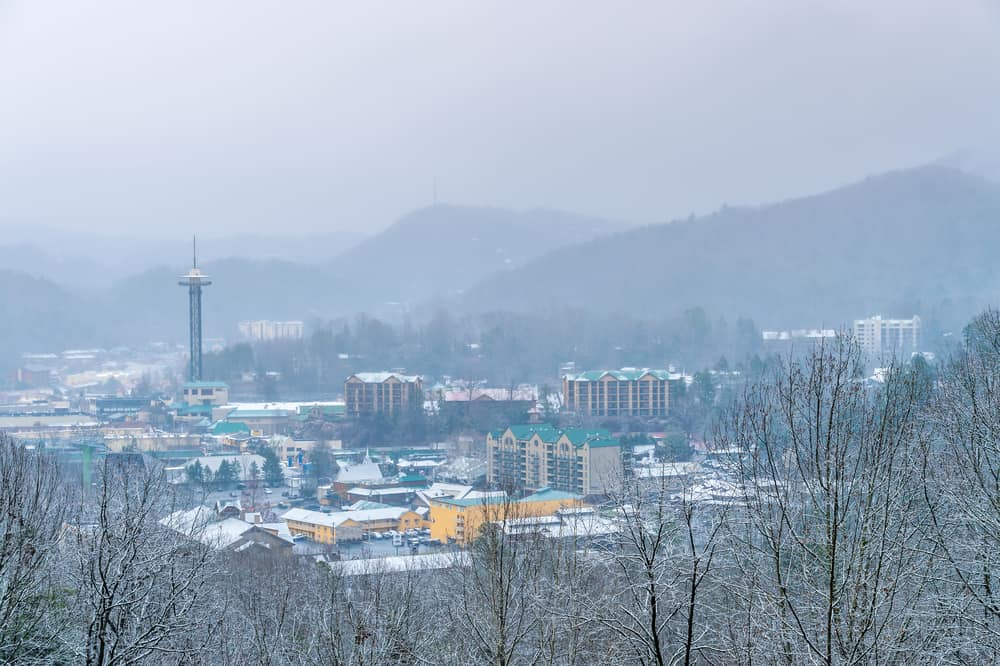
[382, 393]
[341, 526]
[462, 519]
[625, 392]
[576, 460]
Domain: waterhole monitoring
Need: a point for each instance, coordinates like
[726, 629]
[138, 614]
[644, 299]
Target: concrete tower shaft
[194, 280]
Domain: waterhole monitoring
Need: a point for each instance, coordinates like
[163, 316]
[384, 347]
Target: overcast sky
[161, 118]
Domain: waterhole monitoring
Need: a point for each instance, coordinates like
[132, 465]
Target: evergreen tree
[274, 474]
[226, 476]
[196, 473]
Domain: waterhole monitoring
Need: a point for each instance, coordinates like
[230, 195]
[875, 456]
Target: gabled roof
[545, 431]
[366, 471]
[362, 505]
[592, 437]
[230, 428]
[379, 377]
[623, 375]
[338, 518]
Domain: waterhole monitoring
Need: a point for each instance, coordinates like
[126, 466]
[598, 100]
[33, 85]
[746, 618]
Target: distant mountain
[433, 252]
[152, 306]
[443, 250]
[922, 240]
[37, 315]
[93, 262]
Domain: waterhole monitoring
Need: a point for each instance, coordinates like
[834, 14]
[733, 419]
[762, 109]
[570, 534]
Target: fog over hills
[920, 240]
[93, 290]
[443, 250]
[914, 241]
[94, 262]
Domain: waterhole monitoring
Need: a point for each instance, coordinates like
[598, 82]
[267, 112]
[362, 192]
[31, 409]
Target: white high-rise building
[265, 329]
[888, 337]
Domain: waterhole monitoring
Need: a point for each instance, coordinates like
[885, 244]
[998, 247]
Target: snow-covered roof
[401, 563]
[439, 489]
[366, 471]
[379, 377]
[672, 469]
[199, 523]
[490, 394]
[568, 524]
[378, 492]
[418, 464]
[339, 517]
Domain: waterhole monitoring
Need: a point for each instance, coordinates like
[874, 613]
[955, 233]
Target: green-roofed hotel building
[530, 457]
[625, 392]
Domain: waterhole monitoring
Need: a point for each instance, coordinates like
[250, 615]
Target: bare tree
[961, 475]
[496, 600]
[656, 574]
[376, 616]
[140, 583]
[32, 507]
[830, 557]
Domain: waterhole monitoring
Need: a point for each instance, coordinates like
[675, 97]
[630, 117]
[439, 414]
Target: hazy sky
[160, 118]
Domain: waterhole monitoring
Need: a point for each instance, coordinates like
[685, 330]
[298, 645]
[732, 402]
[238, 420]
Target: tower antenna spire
[194, 251]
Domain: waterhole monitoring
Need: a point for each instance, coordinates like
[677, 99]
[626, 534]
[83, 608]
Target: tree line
[502, 348]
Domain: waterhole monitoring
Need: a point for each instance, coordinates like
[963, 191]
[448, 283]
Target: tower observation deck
[194, 281]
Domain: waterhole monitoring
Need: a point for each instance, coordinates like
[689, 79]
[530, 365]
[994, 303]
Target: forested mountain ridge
[920, 240]
[443, 250]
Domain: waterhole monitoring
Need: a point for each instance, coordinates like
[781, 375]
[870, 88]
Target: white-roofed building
[364, 472]
[201, 524]
[401, 563]
[342, 526]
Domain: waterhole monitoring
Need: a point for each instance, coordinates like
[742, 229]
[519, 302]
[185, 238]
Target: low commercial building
[345, 526]
[206, 393]
[461, 520]
[392, 495]
[477, 405]
[611, 393]
[575, 460]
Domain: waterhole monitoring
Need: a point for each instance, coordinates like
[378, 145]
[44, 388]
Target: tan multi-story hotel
[574, 460]
[382, 393]
[626, 392]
